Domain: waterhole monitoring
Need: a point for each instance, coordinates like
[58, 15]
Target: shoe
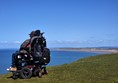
[12, 69]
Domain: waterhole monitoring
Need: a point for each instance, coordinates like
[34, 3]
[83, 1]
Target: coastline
[111, 51]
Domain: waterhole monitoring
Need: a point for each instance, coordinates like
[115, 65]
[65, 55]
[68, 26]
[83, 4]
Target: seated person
[33, 46]
[38, 43]
[41, 40]
[24, 48]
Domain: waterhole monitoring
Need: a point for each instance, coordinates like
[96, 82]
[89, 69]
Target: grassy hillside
[95, 69]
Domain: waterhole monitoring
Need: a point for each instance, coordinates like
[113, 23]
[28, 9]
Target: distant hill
[104, 47]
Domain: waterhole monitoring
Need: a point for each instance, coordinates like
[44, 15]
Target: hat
[37, 33]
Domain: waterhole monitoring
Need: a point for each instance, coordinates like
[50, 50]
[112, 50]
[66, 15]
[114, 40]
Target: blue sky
[66, 23]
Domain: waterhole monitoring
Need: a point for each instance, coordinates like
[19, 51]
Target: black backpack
[38, 48]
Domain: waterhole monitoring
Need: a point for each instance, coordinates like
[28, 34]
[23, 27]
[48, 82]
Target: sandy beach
[87, 50]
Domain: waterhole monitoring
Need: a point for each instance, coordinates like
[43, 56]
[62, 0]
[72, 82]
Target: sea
[57, 57]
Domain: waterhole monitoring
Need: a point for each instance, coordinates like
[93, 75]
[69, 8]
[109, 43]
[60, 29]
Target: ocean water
[57, 57]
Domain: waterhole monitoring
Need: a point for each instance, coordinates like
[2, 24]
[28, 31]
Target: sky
[66, 23]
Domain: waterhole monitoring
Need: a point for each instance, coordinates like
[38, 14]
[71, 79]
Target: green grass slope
[95, 69]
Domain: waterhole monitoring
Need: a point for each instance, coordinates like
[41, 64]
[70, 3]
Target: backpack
[39, 50]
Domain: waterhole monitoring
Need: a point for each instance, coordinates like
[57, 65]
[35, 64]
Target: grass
[95, 69]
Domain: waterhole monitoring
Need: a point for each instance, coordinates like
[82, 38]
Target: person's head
[31, 34]
[37, 33]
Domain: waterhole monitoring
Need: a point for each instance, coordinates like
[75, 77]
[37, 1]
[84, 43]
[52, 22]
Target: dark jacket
[25, 45]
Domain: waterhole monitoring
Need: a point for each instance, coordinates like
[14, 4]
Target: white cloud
[83, 43]
[68, 43]
[63, 41]
[10, 42]
[3, 41]
[17, 42]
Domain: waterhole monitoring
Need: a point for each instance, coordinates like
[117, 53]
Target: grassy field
[95, 69]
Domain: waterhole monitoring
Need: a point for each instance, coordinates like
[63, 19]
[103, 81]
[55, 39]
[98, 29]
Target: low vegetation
[95, 69]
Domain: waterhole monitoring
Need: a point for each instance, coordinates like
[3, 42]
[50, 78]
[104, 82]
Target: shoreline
[112, 51]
